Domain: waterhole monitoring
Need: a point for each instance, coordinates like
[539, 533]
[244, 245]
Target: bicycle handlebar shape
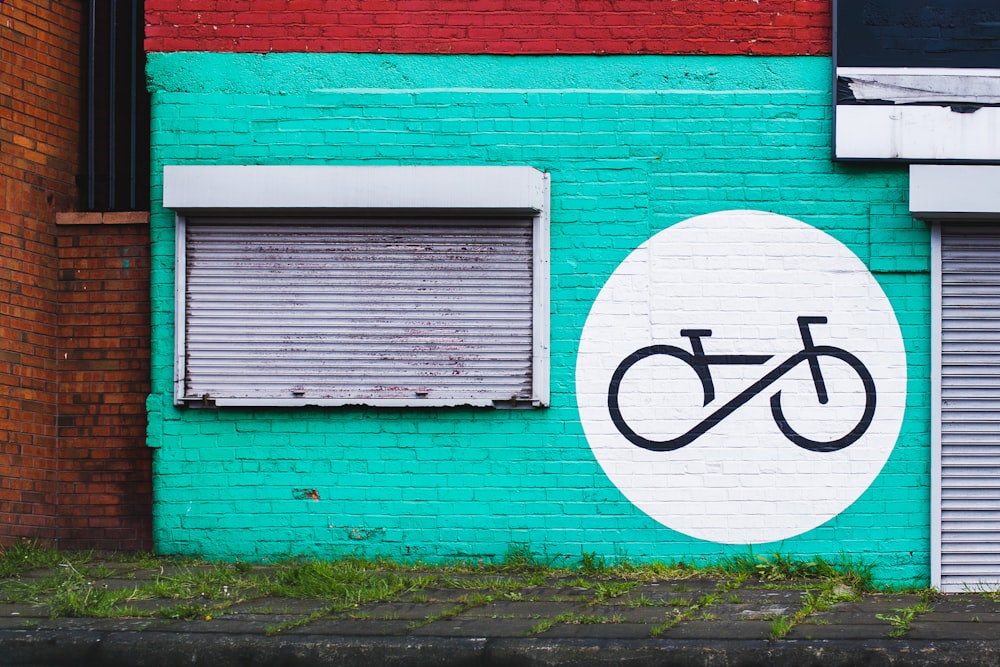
[701, 363]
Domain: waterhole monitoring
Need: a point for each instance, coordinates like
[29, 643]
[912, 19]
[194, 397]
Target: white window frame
[317, 191]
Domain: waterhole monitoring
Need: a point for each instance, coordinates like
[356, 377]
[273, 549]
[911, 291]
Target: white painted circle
[747, 276]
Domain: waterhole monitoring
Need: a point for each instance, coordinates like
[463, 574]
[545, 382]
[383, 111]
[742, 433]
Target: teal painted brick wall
[633, 145]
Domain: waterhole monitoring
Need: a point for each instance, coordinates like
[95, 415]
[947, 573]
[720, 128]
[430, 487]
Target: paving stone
[97, 625]
[848, 618]
[24, 610]
[958, 616]
[688, 590]
[879, 604]
[855, 631]
[966, 631]
[476, 627]
[348, 627]
[755, 613]
[436, 595]
[598, 631]
[407, 611]
[247, 625]
[16, 623]
[651, 615]
[524, 609]
[556, 594]
[702, 629]
[278, 605]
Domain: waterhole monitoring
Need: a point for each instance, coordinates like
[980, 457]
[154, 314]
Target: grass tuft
[901, 620]
[26, 555]
[779, 567]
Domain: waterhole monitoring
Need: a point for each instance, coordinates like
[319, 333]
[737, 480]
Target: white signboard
[917, 81]
[741, 377]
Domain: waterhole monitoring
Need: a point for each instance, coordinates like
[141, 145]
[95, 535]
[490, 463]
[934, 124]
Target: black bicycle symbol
[701, 363]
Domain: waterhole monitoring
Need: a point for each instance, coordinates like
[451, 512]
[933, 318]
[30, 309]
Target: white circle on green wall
[741, 377]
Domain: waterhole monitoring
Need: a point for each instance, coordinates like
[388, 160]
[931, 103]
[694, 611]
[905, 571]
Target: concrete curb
[135, 649]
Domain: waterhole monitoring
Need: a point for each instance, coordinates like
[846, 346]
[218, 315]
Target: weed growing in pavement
[284, 626]
[643, 600]
[779, 567]
[591, 563]
[184, 611]
[350, 582]
[215, 581]
[780, 626]
[598, 619]
[72, 591]
[707, 600]
[77, 596]
[612, 589]
[680, 615]
[463, 604]
[26, 555]
[812, 602]
[520, 558]
[901, 620]
[547, 624]
[501, 584]
[676, 618]
[443, 615]
[70, 583]
[685, 610]
[572, 618]
[602, 589]
[537, 578]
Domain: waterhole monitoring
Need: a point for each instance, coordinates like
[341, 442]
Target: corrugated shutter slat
[359, 309]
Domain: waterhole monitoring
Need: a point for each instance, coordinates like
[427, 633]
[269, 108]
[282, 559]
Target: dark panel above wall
[918, 33]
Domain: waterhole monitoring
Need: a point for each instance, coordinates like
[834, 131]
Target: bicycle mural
[741, 377]
[700, 363]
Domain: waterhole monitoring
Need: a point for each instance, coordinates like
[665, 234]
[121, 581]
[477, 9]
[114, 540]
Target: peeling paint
[980, 87]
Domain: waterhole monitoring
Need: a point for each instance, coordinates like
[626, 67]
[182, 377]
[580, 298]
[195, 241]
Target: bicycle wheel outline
[859, 429]
[614, 407]
[701, 369]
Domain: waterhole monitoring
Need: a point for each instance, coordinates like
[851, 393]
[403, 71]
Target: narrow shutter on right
[970, 405]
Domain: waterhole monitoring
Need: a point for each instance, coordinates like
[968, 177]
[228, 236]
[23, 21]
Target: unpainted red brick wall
[74, 469]
[721, 27]
[105, 480]
[39, 73]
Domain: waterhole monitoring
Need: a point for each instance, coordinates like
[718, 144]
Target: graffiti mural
[741, 377]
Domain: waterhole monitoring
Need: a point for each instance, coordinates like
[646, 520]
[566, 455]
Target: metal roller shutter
[354, 310]
[970, 406]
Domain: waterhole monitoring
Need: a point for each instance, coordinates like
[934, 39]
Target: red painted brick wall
[722, 27]
[74, 469]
